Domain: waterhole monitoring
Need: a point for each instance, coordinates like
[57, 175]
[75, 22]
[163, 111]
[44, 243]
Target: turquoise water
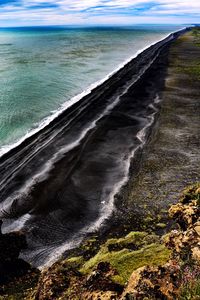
[42, 68]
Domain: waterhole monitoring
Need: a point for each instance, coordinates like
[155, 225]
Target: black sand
[78, 186]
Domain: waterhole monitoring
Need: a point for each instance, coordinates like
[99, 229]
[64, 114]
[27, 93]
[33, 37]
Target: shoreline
[132, 77]
[135, 72]
[100, 256]
[103, 263]
[5, 149]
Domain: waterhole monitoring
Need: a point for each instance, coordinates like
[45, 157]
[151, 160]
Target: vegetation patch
[193, 70]
[196, 34]
[161, 225]
[133, 241]
[191, 193]
[190, 291]
[126, 260]
[182, 39]
[77, 260]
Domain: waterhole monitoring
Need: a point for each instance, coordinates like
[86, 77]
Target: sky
[97, 12]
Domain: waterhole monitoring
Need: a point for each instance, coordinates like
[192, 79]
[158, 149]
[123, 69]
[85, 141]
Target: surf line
[108, 208]
[45, 169]
[46, 121]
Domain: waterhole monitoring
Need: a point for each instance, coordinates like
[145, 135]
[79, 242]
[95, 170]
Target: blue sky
[93, 12]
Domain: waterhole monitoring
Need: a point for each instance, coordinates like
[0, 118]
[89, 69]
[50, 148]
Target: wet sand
[60, 183]
[170, 158]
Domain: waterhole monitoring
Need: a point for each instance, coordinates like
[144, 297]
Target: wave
[43, 173]
[46, 121]
[107, 208]
[62, 184]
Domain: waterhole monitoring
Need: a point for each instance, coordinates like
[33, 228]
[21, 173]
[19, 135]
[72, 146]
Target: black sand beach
[157, 120]
[60, 183]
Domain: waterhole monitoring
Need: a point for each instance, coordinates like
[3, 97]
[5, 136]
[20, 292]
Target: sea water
[62, 183]
[43, 67]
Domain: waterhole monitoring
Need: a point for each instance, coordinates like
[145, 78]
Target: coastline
[117, 237]
[47, 121]
[103, 262]
[134, 71]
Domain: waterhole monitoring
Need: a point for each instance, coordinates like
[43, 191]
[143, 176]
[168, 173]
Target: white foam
[43, 173]
[107, 207]
[15, 225]
[6, 148]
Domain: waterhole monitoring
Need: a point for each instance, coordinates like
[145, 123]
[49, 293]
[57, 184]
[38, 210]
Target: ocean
[43, 68]
[67, 162]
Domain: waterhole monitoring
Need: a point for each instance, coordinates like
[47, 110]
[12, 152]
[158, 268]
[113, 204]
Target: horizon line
[97, 25]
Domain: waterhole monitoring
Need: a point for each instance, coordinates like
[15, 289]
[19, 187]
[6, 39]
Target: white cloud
[99, 11]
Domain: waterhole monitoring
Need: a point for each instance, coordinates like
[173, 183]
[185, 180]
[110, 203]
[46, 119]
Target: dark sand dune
[61, 182]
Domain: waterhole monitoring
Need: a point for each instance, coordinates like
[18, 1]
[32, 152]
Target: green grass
[161, 225]
[133, 238]
[196, 34]
[191, 291]
[75, 260]
[125, 261]
[193, 69]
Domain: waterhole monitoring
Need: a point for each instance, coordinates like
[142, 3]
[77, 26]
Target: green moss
[126, 261]
[132, 240]
[77, 259]
[74, 262]
[148, 219]
[134, 237]
[89, 244]
[161, 225]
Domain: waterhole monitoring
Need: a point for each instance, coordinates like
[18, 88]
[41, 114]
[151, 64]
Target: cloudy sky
[89, 12]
